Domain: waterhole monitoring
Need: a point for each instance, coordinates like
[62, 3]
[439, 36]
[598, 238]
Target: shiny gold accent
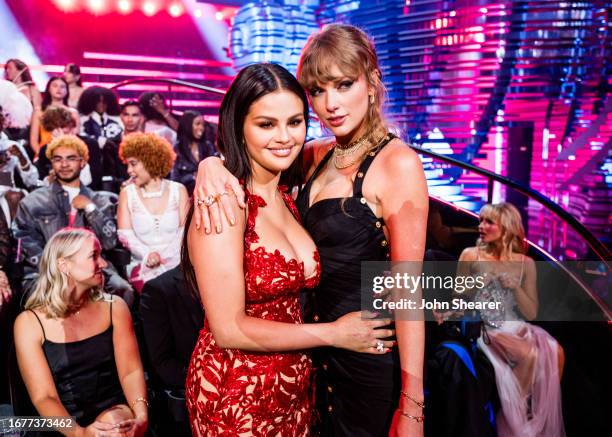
[384, 243]
[360, 174]
[378, 224]
[363, 200]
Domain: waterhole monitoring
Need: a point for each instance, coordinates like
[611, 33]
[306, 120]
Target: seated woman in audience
[18, 72]
[152, 210]
[55, 95]
[72, 75]
[99, 109]
[75, 345]
[528, 362]
[158, 118]
[196, 141]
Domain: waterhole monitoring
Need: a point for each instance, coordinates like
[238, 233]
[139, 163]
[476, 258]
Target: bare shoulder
[469, 254]
[27, 327]
[119, 307]
[399, 156]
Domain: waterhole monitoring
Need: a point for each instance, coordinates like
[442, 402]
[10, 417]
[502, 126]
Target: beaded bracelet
[407, 396]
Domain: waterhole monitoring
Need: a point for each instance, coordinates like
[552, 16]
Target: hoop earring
[371, 99]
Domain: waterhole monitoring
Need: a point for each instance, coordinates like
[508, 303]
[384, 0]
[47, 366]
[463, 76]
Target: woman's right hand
[212, 180]
[359, 332]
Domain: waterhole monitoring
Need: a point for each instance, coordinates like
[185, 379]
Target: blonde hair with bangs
[50, 293]
[353, 52]
[508, 218]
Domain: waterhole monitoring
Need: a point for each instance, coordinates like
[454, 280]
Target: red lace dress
[232, 392]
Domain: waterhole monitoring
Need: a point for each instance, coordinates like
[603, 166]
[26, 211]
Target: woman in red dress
[249, 374]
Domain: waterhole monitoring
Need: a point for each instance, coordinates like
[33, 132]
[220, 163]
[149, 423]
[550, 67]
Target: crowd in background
[74, 156]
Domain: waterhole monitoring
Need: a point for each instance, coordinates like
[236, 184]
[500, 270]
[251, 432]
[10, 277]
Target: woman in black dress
[76, 347]
[365, 199]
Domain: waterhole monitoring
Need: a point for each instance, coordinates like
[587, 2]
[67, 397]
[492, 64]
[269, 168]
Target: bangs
[317, 64]
[490, 212]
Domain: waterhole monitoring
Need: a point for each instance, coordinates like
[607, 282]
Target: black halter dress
[357, 393]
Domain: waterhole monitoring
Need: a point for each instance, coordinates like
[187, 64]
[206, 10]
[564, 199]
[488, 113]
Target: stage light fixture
[219, 16]
[96, 6]
[197, 13]
[175, 9]
[65, 5]
[149, 8]
[124, 6]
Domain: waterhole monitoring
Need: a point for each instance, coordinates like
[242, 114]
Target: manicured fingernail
[218, 228]
[232, 221]
[207, 230]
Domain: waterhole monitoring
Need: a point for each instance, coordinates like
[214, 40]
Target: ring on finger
[218, 196]
[380, 346]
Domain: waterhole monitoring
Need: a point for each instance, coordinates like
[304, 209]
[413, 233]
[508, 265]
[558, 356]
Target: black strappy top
[346, 232]
[85, 373]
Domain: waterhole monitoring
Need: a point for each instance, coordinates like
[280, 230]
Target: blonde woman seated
[76, 347]
[528, 361]
[152, 210]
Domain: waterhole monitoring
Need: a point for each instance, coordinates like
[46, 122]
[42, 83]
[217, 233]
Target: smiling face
[274, 132]
[342, 104]
[197, 127]
[85, 266]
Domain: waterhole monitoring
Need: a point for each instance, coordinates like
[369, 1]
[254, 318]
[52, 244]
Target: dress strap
[253, 202]
[367, 162]
[40, 323]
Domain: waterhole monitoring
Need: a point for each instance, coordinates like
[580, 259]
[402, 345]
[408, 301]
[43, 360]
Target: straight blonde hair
[509, 220]
[50, 293]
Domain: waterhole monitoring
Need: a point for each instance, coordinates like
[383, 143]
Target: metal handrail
[596, 246]
[170, 82]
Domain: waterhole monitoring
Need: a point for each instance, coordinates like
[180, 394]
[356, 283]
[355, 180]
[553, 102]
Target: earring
[371, 99]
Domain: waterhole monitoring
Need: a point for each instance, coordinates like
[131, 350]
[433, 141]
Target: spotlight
[149, 8]
[197, 13]
[96, 6]
[219, 16]
[124, 6]
[175, 9]
[65, 5]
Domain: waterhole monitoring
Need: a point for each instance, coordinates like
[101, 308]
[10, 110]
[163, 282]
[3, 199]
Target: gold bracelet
[140, 399]
[417, 419]
[407, 396]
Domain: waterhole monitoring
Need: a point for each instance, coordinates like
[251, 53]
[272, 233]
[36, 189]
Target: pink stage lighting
[124, 6]
[149, 8]
[66, 5]
[96, 6]
[175, 9]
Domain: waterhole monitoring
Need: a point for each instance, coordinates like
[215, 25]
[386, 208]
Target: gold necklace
[343, 152]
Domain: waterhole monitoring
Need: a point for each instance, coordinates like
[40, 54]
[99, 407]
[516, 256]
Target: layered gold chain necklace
[345, 156]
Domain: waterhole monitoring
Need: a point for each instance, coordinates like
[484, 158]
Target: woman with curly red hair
[152, 209]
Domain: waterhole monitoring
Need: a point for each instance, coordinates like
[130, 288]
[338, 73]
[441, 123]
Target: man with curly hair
[65, 202]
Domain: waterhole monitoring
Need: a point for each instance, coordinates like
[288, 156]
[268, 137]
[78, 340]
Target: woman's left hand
[133, 427]
[402, 426]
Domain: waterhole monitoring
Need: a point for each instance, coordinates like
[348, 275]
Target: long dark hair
[185, 132]
[74, 69]
[251, 83]
[92, 95]
[46, 100]
[23, 68]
